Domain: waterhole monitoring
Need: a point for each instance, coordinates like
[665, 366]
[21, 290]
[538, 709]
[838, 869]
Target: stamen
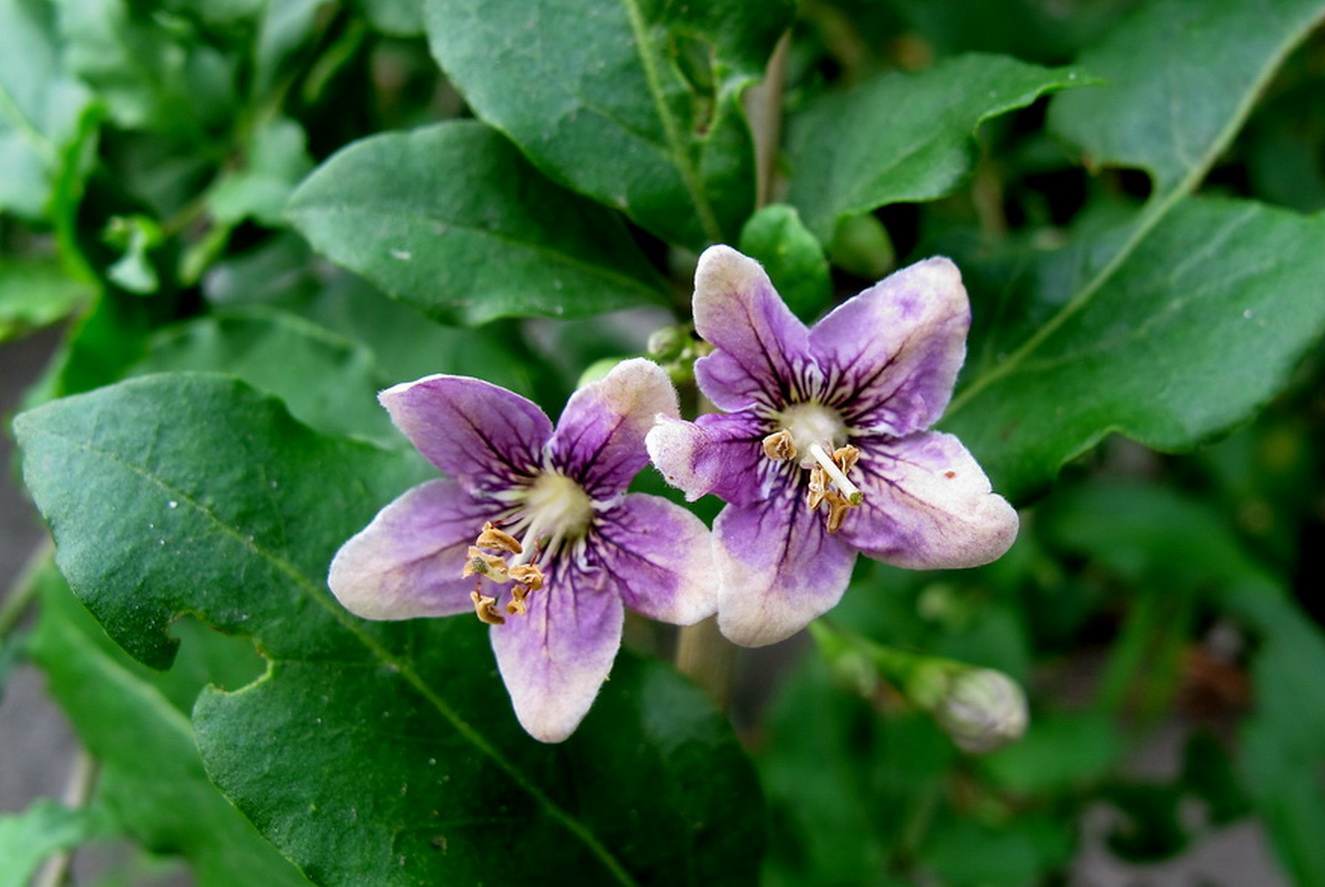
[849, 490]
[527, 576]
[516, 607]
[484, 564]
[818, 488]
[484, 609]
[780, 446]
[495, 537]
[838, 506]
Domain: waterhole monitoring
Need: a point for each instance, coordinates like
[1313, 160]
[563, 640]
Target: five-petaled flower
[824, 449]
[535, 532]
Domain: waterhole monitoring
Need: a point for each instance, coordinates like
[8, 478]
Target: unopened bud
[667, 343]
[982, 710]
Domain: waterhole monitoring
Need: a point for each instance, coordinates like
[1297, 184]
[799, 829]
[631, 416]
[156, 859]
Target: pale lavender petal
[763, 352]
[407, 562]
[555, 658]
[481, 434]
[717, 453]
[927, 505]
[891, 354]
[782, 569]
[661, 558]
[599, 440]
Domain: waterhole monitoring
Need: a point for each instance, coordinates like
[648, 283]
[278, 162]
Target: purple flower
[823, 451]
[534, 532]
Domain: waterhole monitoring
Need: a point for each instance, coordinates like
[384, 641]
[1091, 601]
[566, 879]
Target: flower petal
[481, 434]
[661, 558]
[407, 562]
[763, 349]
[782, 569]
[928, 505]
[891, 354]
[718, 453]
[555, 658]
[599, 440]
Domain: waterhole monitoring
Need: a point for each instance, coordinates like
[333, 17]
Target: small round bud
[982, 710]
[667, 343]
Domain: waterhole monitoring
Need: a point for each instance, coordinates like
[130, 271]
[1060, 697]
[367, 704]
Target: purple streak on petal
[660, 557]
[407, 562]
[928, 505]
[891, 354]
[481, 434]
[718, 454]
[763, 352]
[556, 657]
[782, 569]
[599, 440]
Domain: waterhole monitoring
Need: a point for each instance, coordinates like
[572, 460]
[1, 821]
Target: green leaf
[326, 381]
[29, 837]
[453, 221]
[1194, 332]
[1115, 298]
[276, 160]
[904, 137]
[178, 493]
[792, 257]
[1165, 108]
[36, 292]
[41, 107]
[150, 768]
[634, 102]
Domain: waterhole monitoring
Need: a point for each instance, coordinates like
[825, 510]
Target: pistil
[849, 491]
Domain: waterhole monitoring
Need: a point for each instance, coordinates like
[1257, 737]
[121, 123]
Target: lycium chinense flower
[823, 450]
[534, 532]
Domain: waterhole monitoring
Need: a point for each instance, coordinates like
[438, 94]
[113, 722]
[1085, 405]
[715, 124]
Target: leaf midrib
[1154, 211]
[403, 668]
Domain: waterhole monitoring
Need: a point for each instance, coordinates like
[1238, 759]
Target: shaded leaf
[35, 293]
[452, 220]
[1136, 356]
[634, 102]
[29, 837]
[150, 769]
[904, 137]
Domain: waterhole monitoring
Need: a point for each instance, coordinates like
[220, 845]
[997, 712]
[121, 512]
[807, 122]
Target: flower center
[552, 511]
[816, 435]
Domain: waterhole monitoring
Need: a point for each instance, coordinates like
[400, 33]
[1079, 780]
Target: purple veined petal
[782, 569]
[891, 354]
[599, 441]
[718, 453]
[763, 354]
[660, 557]
[481, 434]
[407, 562]
[555, 658]
[927, 505]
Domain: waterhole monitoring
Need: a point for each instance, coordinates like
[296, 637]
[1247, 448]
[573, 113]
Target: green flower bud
[982, 710]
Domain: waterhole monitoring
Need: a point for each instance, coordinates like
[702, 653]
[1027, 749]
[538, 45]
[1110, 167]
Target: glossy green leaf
[151, 784]
[326, 381]
[453, 221]
[29, 837]
[192, 493]
[1136, 356]
[792, 257]
[1165, 108]
[41, 106]
[632, 102]
[904, 137]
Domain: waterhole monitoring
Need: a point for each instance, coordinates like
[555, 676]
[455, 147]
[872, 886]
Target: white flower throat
[816, 435]
[550, 512]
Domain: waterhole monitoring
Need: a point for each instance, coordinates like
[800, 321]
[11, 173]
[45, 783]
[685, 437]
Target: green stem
[24, 589]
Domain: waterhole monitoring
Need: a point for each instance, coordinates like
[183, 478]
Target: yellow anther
[528, 576]
[838, 506]
[818, 488]
[495, 537]
[481, 563]
[484, 609]
[779, 446]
